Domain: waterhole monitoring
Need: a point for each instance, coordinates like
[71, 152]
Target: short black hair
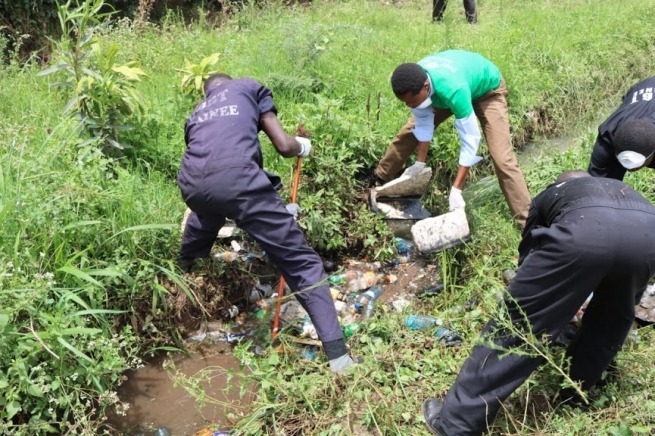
[215, 79]
[572, 174]
[637, 136]
[408, 77]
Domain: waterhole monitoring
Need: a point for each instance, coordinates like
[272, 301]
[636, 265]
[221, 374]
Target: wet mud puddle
[155, 402]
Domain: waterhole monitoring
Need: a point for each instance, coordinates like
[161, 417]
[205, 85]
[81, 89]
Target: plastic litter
[448, 337]
[227, 256]
[309, 353]
[432, 290]
[358, 280]
[259, 293]
[399, 304]
[350, 329]
[403, 246]
[422, 322]
[230, 312]
[338, 279]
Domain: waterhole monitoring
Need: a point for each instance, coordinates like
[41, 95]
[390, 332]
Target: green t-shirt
[459, 77]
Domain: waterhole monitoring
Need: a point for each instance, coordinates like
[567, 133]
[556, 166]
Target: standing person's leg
[438, 9]
[260, 212]
[548, 290]
[469, 9]
[491, 110]
[199, 235]
[402, 147]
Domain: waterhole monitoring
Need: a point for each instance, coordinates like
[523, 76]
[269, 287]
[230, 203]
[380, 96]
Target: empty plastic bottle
[366, 301]
[337, 279]
[432, 290]
[422, 322]
[350, 329]
[358, 280]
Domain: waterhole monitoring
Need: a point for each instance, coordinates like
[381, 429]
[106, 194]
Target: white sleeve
[469, 136]
[424, 129]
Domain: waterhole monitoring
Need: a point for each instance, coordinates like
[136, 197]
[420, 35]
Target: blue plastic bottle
[403, 246]
[422, 322]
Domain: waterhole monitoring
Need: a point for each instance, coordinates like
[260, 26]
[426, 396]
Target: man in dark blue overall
[626, 139]
[221, 176]
[583, 235]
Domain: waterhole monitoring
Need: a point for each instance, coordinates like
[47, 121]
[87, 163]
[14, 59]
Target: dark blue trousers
[244, 193]
[610, 252]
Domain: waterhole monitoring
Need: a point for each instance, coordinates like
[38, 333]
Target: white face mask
[425, 104]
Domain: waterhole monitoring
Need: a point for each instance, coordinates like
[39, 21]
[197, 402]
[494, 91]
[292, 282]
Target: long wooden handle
[280, 289]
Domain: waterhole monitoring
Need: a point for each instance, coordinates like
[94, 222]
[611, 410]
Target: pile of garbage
[356, 289]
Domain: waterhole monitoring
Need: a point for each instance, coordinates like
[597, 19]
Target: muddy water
[155, 402]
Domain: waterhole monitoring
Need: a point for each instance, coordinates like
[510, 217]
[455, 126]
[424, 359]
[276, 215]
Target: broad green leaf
[132, 73]
[12, 409]
[34, 390]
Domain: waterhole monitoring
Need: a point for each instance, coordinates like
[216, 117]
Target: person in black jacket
[221, 176]
[439, 7]
[626, 140]
[583, 235]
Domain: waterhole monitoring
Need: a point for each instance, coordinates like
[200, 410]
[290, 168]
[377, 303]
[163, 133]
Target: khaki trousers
[491, 110]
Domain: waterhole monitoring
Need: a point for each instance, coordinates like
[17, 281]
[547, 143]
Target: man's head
[411, 85]
[573, 174]
[215, 80]
[634, 144]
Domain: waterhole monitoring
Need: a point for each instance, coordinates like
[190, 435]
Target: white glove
[305, 146]
[293, 209]
[414, 170]
[456, 200]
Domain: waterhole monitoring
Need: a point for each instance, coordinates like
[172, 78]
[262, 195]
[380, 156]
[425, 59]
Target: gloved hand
[414, 170]
[305, 146]
[293, 209]
[456, 201]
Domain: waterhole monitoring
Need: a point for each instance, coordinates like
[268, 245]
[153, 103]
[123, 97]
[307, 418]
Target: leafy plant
[104, 95]
[195, 74]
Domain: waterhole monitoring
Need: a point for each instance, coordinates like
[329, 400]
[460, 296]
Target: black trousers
[246, 195]
[610, 252]
[439, 7]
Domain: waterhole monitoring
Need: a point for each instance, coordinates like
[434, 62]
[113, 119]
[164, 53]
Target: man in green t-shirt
[469, 86]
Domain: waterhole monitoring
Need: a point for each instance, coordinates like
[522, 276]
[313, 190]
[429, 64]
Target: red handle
[280, 289]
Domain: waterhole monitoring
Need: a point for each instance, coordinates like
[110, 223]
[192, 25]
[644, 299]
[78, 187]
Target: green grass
[83, 234]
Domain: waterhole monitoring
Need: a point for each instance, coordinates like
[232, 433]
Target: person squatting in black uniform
[626, 140]
[583, 235]
[221, 176]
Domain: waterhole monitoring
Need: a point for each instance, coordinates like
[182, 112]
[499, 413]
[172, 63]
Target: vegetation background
[90, 229]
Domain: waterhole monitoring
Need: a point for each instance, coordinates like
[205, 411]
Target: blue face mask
[425, 104]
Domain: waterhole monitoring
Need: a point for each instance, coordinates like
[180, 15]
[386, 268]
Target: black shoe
[186, 263]
[432, 416]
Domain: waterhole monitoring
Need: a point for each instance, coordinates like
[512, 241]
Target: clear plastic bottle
[422, 322]
[369, 296]
[358, 280]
